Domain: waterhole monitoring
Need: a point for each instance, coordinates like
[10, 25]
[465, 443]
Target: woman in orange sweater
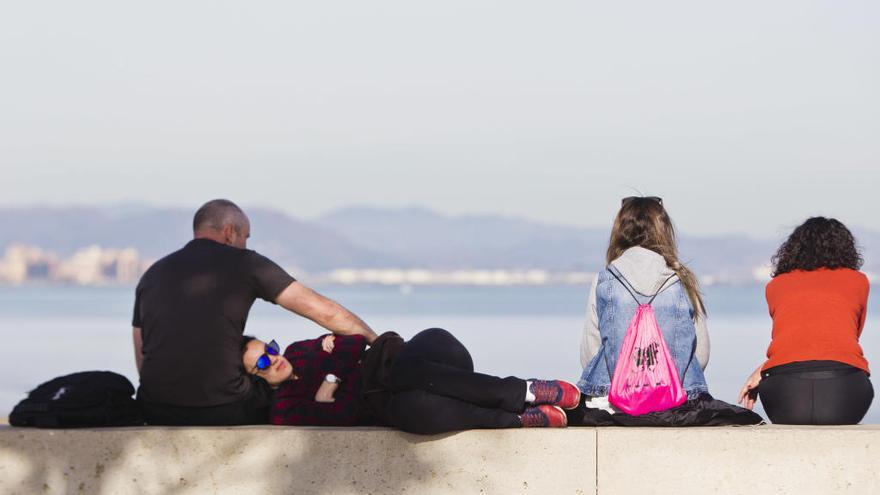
[815, 371]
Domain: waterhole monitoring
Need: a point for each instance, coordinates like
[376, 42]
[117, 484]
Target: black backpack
[88, 398]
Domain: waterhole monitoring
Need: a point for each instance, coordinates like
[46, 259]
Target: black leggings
[815, 393]
[435, 390]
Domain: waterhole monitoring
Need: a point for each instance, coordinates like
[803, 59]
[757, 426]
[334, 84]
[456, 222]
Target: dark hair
[817, 243]
[245, 340]
[642, 221]
[219, 212]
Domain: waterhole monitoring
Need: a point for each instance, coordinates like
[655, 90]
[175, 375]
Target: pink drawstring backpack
[645, 378]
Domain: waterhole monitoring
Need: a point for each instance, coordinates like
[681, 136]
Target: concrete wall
[753, 460]
[268, 460]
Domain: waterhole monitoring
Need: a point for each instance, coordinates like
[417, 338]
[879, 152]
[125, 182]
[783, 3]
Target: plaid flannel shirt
[294, 402]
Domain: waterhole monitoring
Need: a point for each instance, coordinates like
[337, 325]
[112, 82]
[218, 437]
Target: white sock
[530, 397]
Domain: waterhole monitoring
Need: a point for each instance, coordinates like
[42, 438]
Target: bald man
[189, 316]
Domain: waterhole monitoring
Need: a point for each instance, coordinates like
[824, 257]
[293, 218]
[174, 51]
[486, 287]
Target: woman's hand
[749, 393]
[326, 391]
[328, 343]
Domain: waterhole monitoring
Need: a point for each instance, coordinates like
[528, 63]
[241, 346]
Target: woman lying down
[426, 385]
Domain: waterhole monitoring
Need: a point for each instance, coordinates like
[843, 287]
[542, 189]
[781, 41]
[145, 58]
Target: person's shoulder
[777, 280]
[232, 257]
[844, 275]
[160, 265]
[601, 279]
[854, 274]
[301, 345]
[794, 276]
[783, 283]
[258, 263]
[858, 278]
[822, 276]
[253, 257]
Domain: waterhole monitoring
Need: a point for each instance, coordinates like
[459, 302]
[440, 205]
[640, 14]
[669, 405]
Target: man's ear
[228, 234]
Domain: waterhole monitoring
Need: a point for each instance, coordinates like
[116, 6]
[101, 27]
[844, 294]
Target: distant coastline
[357, 246]
[104, 274]
[404, 281]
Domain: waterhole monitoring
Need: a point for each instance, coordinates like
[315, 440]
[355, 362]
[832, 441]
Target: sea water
[521, 331]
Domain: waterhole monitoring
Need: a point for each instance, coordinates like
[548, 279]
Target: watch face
[331, 378]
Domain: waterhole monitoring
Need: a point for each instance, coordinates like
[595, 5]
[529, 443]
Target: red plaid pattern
[294, 402]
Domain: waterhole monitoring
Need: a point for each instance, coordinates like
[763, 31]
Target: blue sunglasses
[264, 361]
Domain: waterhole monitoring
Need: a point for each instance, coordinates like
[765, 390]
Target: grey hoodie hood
[644, 269]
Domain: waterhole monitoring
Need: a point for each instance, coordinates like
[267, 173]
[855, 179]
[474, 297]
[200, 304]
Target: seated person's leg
[164, 415]
[843, 400]
[416, 411]
[237, 413]
[787, 399]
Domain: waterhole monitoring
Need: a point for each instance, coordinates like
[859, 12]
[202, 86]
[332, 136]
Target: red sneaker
[543, 416]
[555, 393]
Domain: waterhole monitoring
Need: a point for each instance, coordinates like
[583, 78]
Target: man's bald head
[223, 221]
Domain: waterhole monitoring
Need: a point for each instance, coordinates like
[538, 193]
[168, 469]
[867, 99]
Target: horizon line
[355, 206]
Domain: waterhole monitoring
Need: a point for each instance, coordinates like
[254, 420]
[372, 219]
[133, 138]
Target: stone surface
[740, 460]
[270, 460]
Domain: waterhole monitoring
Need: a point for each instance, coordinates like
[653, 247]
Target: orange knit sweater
[817, 315]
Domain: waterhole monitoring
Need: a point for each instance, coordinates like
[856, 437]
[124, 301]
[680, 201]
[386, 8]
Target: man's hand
[328, 343]
[326, 391]
[325, 312]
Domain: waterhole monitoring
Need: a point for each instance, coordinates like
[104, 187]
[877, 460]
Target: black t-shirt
[192, 306]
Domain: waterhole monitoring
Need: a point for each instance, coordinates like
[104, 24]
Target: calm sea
[523, 331]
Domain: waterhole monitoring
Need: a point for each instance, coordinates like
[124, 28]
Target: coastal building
[92, 265]
[22, 264]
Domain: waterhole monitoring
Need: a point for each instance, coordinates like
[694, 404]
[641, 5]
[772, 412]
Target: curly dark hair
[817, 243]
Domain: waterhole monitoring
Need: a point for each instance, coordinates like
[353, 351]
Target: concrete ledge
[752, 460]
[268, 460]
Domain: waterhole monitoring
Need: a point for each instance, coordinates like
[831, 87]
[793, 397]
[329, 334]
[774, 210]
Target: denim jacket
[615, 309]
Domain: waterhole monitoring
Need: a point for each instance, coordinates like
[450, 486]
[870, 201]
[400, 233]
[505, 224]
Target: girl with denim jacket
[643, 263]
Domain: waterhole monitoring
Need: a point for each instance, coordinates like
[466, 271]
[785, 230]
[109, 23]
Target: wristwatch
[331, 378]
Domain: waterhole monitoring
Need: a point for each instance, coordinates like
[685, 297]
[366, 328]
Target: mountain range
[367, 237]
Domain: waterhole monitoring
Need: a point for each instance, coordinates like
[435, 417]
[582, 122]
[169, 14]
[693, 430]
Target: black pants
[436, 390]
[815, 393]
[251, 411]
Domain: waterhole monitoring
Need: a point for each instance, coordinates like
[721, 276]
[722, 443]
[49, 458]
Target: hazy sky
[744, 116]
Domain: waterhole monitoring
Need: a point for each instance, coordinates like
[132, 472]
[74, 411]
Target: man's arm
[138, 347]
[325, 312]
